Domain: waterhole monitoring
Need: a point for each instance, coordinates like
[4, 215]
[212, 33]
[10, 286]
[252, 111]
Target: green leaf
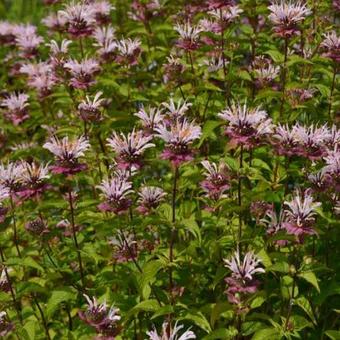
[311, 278]
[267, 334]
[144, 306]
[222, 333]
[199, 319]
[333, 334]
[164, 310]
[57, 297]
[305, 305]
[29, 329]
[150, 271]
[26, 262]
[217, 310]
[281, 267]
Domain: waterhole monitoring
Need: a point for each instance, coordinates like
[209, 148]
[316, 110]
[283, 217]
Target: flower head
[82, 72]
[127, 51]
[101, 317]
[217, 179]
[247, 127]
[149, 198]
[27, 40]
[79, 18]
[67, 153]
[16, 107]
[105, 42]
[264, 72]
[150, 118]
[5, 325]
[10, 176]
[116, 192]
[90, 109]
[300, 213]
[331, 45]
[178, 138]
[129, 149]
[189, 36]
[55, 22]
[174, 112]
[169, 333]
[242, 281]
[286, 16]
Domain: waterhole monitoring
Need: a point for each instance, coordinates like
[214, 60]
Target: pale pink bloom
[82, 72]
[149, 198]
[173, 69]
[150, 118]
[5, 284]
[217, 179]
[41, 77]
[58, 52]
[298, 96]
[37, 227]
[214, 64]
[55, 22]
[300, 214]
[105, 41]
[264, 71]
[102, 10]
[178, 138]
[27, 40]
[226, 15]
[189, 36]
[334, 138]
[4, 193]
[90, 109]
[275, 223]
[312, 140]
[125, 248]
[100, 316]
[174, 333]
[209, 25]
[128, 51]
[322, 180]
[244, 269]
[67, 153]
[33, 179]
[332, 169]
[286, 15]
[129, 149]
[80, 19]
[116, 192]
[246, 126]
[23, 146]
[331, 44]
[10, 176]
[175, 111]
[214, 4]
[16, 107]
[242, 281]
[5, 325]
[144, 12]
[7, 32]
[285, 141]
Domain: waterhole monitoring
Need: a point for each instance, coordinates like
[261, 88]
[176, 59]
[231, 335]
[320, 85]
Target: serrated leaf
[57, 297]
[199, 319]
[311, 278]
[305, 305]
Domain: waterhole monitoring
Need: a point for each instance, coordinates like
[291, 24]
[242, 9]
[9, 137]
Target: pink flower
[80, 19]
[16, 107]
[173, 69]
[189, 36]
[5, 284]
[27, 40]
[331, 44]
[5, 325]
[225, 16]
[125, 248]
[169, 333]
[217, 179]
[149, 198]
[106, 43]
[286, 16]
[90, 110]
[300, 214]
[175, 112]
[285, 141]
[4, 194]
[128, 51]
[116, 192]
[247, 127]
[102, 10]
[55, 22]
[33, 179]
[242, 281]
[264, 72]
[150, 118]
[101, 317]
[67, 153]
[144, 12]
[7, 33]
[275, 223]
[129, 149]
[37, 227]
[41, 77]
[178, 138]
[10, 176]
[58, 53]
[82, 73]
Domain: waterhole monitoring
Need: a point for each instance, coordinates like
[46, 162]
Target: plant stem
[173, 233]
[15, 233]
[81, 47]
[15, 302]
[284, 75]
[239, 191]
[137, 265]
[332, 91]
[75, 238]
[42, 318]
[290, 307]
